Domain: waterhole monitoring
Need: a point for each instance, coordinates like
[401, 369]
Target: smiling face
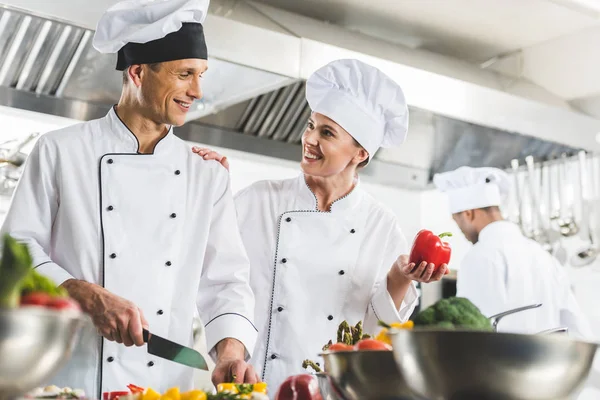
[167, 90]
[328, 150]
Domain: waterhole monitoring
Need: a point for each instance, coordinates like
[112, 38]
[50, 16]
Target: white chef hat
[471, 188]
[151, 31]
[364, 101]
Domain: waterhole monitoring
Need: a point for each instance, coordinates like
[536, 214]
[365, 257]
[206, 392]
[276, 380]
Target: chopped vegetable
[16, 263]
[453, 313]
[34, 282]
[315, 366]
[383, 336]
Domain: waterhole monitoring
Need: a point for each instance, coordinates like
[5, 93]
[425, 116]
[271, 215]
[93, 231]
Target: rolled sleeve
[53, 271]
[234, 326]
[382, 307]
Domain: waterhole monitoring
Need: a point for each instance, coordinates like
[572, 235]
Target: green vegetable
[15, 265]
[453, 313]
[34, 282]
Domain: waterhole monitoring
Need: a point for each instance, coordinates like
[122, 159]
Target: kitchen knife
[168, 350]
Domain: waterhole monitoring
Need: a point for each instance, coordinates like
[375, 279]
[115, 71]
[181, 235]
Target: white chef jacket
[157, 229]
[311, 270]
[506, 270]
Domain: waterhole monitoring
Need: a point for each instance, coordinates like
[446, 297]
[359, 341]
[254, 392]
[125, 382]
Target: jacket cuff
[234, 326]
[58, 274]
[385, 309]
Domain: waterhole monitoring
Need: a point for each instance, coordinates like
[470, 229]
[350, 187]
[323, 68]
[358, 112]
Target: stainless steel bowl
[457, 365]
[365, 375]
[34, 344]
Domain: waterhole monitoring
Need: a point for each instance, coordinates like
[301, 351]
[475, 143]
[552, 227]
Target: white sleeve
[225, 299]
[382, 307]
[482, 280]
[33, 208]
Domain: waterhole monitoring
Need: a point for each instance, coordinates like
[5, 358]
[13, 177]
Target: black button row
[111, 359]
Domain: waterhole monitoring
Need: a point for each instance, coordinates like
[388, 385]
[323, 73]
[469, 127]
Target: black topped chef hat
[152, 31]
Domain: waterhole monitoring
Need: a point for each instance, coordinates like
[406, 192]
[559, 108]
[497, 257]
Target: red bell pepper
[113, 395]
[429, 247]
[299, 387]
[135, 389]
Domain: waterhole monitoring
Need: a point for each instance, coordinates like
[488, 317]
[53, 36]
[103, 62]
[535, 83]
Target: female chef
[321, 249]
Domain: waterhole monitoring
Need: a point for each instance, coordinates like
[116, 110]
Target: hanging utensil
[11, 155]
[539, 231]
[568, 226]
[560, 252]
[515, 168]
[588, 253]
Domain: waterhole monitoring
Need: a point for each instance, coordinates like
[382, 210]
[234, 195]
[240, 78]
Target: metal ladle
[589, 253]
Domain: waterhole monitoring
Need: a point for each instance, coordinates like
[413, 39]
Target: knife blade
[172, 351]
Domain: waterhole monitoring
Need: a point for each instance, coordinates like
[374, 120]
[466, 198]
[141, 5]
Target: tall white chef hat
[471, 188]
[364, 101]
[151, 31]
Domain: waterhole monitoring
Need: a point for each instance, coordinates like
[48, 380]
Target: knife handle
[146, 335]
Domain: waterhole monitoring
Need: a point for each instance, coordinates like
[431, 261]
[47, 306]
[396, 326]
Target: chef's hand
[209, 154]
[115, 318]
[230, 366]
[421, 273]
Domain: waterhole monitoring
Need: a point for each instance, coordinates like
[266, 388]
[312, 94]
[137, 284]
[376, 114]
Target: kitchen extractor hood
[254, 94]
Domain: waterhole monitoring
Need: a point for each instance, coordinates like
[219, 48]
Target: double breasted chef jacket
[157, 229]
[311, 270]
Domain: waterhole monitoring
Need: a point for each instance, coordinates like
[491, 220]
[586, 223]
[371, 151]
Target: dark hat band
[187, 42]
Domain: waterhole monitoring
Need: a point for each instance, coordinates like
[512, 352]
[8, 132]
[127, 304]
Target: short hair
[154, 67]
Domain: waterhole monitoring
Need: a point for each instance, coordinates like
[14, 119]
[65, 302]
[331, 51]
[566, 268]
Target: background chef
[321, 249]
[136, 227]
[504, 269]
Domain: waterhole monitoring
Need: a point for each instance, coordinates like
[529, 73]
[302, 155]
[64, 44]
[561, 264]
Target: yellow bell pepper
[194, 395]
[260, 387]
[384, 337]
[173, 394]
[150, 394]
[227, 387]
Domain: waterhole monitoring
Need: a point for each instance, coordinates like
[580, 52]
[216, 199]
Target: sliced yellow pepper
[260, 387]
[194, 395]
[384, 337]
[150, 394]
[173, 394]
[227, 387]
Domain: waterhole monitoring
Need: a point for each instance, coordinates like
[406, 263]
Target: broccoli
[15, 265]
[453, 313]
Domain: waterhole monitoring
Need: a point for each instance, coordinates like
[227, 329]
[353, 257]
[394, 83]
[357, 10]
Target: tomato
[35, 299]
[372, 344]
[299, 387]
[340, 347]
[63, 303]
[113, 395]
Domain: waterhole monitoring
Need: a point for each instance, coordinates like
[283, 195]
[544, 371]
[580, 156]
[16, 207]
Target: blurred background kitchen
[512, 84]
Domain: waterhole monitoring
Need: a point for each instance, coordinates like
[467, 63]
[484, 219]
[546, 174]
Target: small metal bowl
[35, 343]
[364, 375]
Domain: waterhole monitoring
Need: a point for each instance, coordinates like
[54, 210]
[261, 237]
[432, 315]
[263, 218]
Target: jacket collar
[307, 199]
[129, 141]
[499, 229]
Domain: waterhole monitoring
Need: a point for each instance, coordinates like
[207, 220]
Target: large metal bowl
[365, 375]
[457, 365]
[34, 344]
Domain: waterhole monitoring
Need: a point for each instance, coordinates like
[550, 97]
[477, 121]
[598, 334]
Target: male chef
[138, 229]
[504, 269]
